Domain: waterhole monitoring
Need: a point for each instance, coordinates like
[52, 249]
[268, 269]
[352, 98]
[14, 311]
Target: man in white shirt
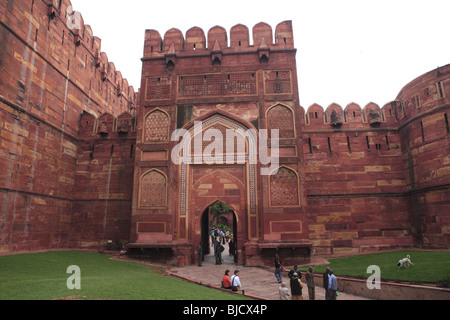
[235, 281]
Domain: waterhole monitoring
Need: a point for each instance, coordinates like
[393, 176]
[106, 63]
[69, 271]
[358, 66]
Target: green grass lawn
[429, 266]
[43, 276]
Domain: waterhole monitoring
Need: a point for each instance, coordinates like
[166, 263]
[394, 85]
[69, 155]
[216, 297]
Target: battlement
[52, 70]
[422, 95]
[352, 116]
[56, 45]
[84, 158]
[195, 41]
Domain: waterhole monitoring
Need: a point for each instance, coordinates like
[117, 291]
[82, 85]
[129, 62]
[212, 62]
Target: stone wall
[83, 161]
[51, 71]
[424, 128]
[379, 178]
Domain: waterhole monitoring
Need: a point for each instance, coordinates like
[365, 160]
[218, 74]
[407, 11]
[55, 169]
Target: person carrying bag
[235, 282]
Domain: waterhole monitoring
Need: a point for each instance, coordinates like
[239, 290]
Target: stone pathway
[257, 282]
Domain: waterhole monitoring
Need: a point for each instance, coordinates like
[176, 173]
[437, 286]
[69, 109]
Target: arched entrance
[218, 186]
[218, 164]
[221, 217]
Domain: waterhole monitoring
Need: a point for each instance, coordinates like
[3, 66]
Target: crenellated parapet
[400, 148]
[217, 41]
[106, 125]
[351, 117]
[55, 45]
[52, 70]
[425, 94]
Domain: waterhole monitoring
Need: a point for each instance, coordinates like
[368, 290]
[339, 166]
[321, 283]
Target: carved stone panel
[156, 127]
[281, 118]
[276, 82]
[153, 190]
[217, 84]
[284, 188]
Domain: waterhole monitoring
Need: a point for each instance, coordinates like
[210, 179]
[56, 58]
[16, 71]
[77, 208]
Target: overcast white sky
[347, 50]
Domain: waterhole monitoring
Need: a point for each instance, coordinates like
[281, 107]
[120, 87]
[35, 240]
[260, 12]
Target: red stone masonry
[84, 158]
[379, 178]
[49, 75]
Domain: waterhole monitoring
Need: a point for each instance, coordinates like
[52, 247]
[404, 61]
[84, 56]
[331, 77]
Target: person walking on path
[278, 268]
[212, 237]
[325, 282]
[296, 287]
[332, 286]
[200, 255]
[231, 246]
[310, 283]
[218, 249]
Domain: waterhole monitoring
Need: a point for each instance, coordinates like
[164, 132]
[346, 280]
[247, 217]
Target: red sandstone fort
[85, 158]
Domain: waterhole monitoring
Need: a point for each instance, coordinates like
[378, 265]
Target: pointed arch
[281, 117]
[153, 189]
[284, 188]
[239, 186]
[224, 202]
[221, 118]
[156, 126]
[220, 121]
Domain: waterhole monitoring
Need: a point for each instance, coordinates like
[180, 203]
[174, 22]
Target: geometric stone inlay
[153, 190]
[277, 82]
[281, 118]
[284, 188]
[156, 127]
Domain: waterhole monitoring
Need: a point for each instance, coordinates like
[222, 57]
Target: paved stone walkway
[257, 282]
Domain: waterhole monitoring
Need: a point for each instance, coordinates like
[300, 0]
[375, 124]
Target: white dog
[406, 262]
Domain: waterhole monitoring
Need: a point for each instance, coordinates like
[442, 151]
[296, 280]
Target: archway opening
[219, 224]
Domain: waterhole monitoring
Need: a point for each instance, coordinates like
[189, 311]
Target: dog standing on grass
[404, 262]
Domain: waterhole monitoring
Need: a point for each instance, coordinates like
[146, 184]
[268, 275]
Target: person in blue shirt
[332, 286]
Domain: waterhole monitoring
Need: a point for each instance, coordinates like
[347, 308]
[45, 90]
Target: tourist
[221, 237]
[278, 267]
[200, 255]
[296, 287]
[284, 292]
[325, 281]
[226, 282]
[212, 237]
[235, 281]
[231, 246]
[218, 249]
[310, 283]
[295, 270]
[332, 286]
